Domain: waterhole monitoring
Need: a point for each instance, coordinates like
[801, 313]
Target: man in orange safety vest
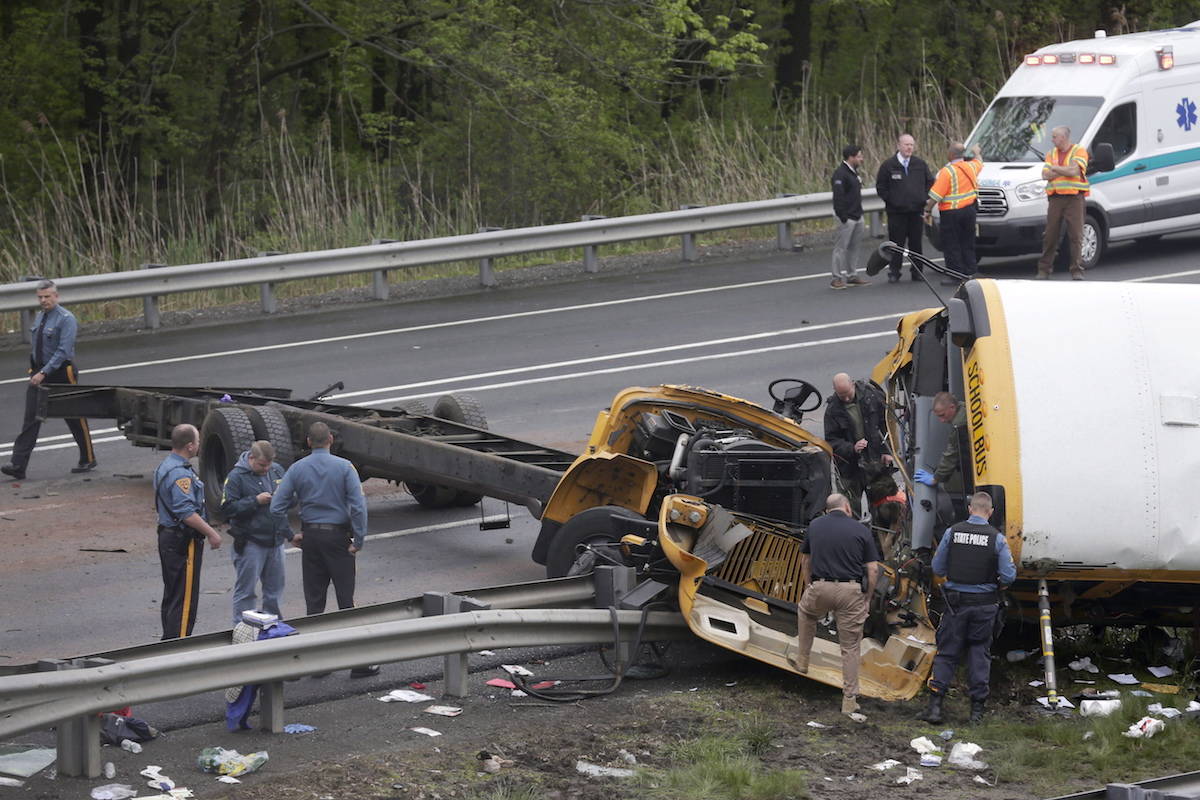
[1066, 191]
[954, 192]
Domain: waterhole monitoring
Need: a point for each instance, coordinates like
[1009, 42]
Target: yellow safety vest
[1061, 184]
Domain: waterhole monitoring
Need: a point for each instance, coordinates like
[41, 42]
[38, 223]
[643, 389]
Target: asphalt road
[542, 360]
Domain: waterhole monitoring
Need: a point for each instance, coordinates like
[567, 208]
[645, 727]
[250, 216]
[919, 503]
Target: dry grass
[92, 219]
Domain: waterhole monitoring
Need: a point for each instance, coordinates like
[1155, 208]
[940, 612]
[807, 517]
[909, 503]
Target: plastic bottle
[110, 771]
[131, 746]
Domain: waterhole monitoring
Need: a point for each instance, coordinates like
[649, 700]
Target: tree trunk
[796, 50]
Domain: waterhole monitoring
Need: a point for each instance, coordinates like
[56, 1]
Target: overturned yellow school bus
[1083, 423]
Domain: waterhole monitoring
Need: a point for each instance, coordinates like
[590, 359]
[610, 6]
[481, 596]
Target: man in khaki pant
[838, 553]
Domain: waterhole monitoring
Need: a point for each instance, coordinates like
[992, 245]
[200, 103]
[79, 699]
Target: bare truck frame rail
[445, 460]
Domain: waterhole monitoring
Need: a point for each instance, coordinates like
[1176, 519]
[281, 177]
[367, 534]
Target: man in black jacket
[847, 207]
[258, 535]
[854, 429]
[903, 185]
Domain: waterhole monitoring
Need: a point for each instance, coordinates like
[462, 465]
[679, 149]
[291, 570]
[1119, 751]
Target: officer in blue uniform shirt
[975, 560]
[179, 499]
[333, 522]
[51, 360]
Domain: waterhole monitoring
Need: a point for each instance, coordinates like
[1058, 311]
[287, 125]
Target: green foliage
[720, 768]
[176, 131]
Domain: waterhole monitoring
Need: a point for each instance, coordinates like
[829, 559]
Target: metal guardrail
[1185, 786]
[269, 269]
[37, 700]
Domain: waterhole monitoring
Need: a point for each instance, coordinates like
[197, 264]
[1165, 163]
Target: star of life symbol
[1187, 114]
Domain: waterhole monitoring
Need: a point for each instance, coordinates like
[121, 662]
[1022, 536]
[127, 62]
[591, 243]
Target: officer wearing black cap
[975, 560]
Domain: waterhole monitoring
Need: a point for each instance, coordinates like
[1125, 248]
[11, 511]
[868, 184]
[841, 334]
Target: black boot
[976, 711]
[933, 714]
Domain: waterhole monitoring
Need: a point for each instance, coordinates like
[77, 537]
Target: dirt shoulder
[364, 748]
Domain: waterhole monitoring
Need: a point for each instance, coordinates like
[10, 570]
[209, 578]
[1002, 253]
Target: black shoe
[365, 672]
[977, 710]
[84, 466]
[893, 278]
[13, 472]
[933, 714]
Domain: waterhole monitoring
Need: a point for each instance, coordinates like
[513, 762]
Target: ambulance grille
[992, 203]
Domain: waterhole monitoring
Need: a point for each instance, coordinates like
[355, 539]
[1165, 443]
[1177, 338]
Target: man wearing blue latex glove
[924, 476]
[947, 476]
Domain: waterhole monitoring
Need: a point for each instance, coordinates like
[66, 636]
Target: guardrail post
[486, 276]
[783, 231]
[150, 315]
[590, 262]
[78, 739]
[266, 291]
[270, 707]
[613, 583]
[689, 239]
[379, 282]
[28, 314]
[454, 669]
[875, 221]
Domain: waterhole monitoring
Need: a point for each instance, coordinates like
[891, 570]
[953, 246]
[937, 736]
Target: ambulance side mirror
[1101, 159]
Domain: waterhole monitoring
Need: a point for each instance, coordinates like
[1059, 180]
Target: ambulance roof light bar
[1033, 59]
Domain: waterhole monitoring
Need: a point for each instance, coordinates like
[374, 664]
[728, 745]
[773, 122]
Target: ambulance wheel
[1092, 242]
[224, 436]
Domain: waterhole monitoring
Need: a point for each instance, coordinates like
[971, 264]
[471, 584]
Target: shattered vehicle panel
[739, 585]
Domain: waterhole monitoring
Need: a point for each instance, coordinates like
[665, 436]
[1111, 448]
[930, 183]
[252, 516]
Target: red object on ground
[503, 684]
[416, 685]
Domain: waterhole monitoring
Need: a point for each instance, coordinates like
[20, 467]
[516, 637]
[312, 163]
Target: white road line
[628, 354]
[6, 450]
[441, 526]
[632, 367]
[1148, 278]
[449, 324]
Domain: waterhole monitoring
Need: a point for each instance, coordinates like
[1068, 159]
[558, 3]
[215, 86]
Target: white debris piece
[597, 771]
[886, 765]
[923, 745]
[1168, 712]
[911, 774]
[516, 669]
[983, 780]
[1018, 655]
[1160, 672]
[426, 731]
[815, 724]
[404, 696]
[1098, 708]
[14, 783]
[1192, 706]
[963, 754]
[627, 757]
[1062, 702]
[1084, 665]
[1144, 728]
[931, 760]
[1036, 684]
[857, 716]
[443, 711]
[227, 779]
[1124, 678]
[1089, 735]
[485, 653]
[1141, 693]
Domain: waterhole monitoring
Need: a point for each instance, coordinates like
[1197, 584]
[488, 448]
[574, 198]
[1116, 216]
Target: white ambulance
[1140, 92]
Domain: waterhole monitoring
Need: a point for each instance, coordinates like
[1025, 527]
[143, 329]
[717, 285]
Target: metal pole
[783, 231]
[487, 276]
[379, 280]
[454, 668]
[77, 739]
[270, 707]
[266, 290]
[1047, 643]
[590, 262]
[689, 239]
[150, 315]
[612, 584]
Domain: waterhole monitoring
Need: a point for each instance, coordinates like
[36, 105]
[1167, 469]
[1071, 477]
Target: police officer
[179, 499]
[333, 522]
[839, 552]
[975, 560]
[51, 360]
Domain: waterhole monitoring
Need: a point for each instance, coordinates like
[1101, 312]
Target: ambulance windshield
[1017, 129]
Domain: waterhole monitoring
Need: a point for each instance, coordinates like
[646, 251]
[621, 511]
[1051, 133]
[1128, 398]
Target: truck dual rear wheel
[465, 410]
[226, 433]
